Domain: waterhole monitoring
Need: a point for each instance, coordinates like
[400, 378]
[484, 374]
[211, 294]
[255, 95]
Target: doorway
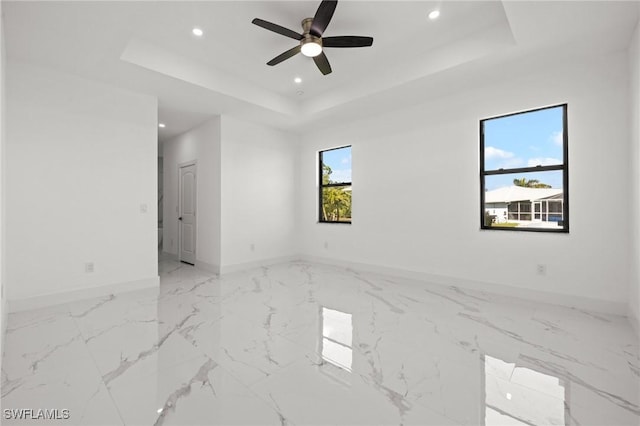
[187, 226]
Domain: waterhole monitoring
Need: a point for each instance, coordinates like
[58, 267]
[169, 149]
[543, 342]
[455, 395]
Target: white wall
[634, 73]
[3, 299]
[82, 160]
[416, 189]
[201, 144]
[258, 194]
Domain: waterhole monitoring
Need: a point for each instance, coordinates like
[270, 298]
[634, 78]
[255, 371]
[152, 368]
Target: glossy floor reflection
[300, 344]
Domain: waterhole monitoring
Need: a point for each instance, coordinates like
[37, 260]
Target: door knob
[180, 218]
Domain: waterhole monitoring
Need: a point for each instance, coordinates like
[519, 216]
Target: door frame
[193, 163]
[539, 213]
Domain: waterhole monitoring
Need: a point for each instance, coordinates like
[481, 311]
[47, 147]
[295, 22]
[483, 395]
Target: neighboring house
[521, 204]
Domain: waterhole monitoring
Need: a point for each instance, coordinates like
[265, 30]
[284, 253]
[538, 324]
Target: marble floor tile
[248, 350]
[308, 344]
[80, 391]
[195, 392]
[49, 342]
[307, 393]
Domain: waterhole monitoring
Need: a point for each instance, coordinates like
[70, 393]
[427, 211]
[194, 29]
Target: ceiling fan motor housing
[307, 49]
[306, 25]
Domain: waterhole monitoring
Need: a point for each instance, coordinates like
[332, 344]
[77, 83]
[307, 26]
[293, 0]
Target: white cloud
[342, 175]
[346, 160]
[557, 138]
[511, 163]
[491, 153]
[546, 161]
[504, 159]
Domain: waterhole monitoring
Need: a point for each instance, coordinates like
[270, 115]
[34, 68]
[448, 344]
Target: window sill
[507, 229]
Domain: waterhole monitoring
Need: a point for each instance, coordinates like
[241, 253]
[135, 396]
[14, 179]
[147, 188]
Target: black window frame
[564, 167]
[321, 186]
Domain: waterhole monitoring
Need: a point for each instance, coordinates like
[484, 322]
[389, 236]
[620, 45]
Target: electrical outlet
[172, 242]
[252, 247]
[326, 245]
[88, 267]
[143, 208]
[541, 269]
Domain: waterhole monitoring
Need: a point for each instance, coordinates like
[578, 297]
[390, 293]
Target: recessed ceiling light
[161, 125]
[297, 80]
[508, 396]
[434, 14]
[197, 32]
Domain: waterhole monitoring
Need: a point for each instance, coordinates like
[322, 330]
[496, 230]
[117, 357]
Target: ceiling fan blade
[323, 17]
[284, 56]
[277, 29]
[323, 63]
[347, 41]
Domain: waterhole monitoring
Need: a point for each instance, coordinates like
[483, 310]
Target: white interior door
[187, 214]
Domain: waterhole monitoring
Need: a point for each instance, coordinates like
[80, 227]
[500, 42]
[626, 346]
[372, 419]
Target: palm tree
[336, 202]
[530, 183]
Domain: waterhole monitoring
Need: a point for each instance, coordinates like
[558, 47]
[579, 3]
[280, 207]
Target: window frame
[321, 186]
[564, 167]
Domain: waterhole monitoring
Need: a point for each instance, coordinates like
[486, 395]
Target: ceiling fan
[311, 40]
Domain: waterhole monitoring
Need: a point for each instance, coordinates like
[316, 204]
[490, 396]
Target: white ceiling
[148, 47]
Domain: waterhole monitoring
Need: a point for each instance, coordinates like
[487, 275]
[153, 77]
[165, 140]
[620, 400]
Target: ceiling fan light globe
[311, 49]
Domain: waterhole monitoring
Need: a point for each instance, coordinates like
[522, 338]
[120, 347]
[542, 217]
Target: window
[335, 185]
[524, 171]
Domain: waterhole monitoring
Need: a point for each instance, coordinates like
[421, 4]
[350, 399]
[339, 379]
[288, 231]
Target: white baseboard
[579, 302]
[72, 295]
[227, 269]
[237, 267]
[207, 267]
[634, 318]
[5, 320]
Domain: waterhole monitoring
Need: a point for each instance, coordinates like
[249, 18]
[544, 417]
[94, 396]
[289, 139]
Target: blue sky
[524, 140]
[340, 162]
